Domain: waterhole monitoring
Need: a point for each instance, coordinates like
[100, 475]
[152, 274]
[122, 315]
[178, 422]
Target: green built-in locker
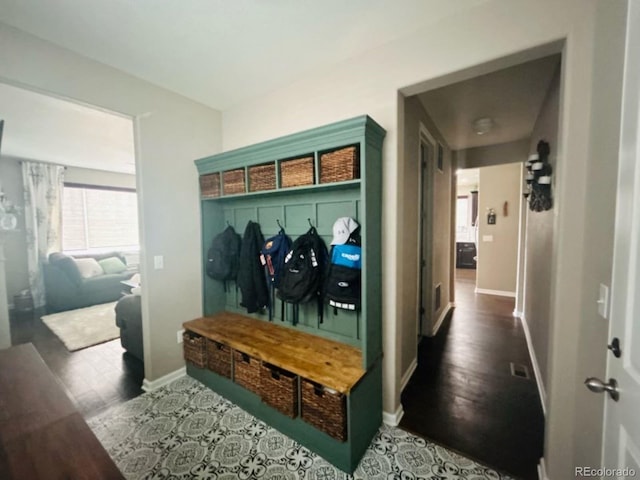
[296, 209]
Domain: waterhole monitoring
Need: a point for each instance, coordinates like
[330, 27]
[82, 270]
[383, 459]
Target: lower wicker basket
[246, 371]
[324, 409]
[279, 389]
[194, 347]
[219, 358]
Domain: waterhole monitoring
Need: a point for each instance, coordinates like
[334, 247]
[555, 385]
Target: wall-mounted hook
[310, 224]
[228, 224]
[278, 222]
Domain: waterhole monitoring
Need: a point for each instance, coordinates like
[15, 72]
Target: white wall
[497, 263]
[171, 131]
[540, 231]
[15, 251]
[426, 59]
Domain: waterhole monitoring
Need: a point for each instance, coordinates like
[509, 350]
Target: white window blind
[99, 219]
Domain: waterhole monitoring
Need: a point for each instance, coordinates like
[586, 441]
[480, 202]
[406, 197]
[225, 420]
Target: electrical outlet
[158, 262]
[180, 332]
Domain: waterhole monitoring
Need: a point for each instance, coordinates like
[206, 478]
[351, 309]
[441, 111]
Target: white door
[622, 418]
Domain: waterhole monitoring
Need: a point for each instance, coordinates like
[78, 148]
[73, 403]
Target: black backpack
[304, 269]
[223, 255]
[342, 288]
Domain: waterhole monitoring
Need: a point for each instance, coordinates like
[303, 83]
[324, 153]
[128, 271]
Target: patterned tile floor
[185, 431]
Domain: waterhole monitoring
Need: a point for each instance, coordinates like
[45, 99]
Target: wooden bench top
[330, 363]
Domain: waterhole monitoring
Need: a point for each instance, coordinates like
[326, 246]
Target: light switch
[158, 262]
[487, 238]
[603, 301]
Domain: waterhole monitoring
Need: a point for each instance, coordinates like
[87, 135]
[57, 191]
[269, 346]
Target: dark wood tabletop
[42, 435]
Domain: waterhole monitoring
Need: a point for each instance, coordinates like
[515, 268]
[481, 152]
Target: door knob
[615, 347]
[598, 386]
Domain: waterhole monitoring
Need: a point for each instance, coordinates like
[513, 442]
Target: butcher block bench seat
[329, 363]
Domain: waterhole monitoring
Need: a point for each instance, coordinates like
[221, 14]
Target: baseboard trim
[501, 293]
[443, 315]
[407, 375]
[393, 419]
[150, 386]
[536, 366]
[542, 470]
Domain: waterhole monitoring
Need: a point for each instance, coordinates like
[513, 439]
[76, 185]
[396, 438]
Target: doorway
[478, 387]
[86, 154]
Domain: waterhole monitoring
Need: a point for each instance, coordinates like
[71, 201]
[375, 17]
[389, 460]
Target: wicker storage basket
[279, 389]
[210, 185]
[219, 358]
[233, 181]
[324, 409]
[195, 350]
[296, 172]
[262, 177]
[246, 371]
[340, 165]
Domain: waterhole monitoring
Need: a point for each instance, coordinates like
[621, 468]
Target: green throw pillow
[112, 265]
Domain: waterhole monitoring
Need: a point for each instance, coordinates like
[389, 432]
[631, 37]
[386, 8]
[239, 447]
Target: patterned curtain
[42, 218]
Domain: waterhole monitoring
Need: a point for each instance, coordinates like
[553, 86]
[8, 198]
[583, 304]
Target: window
[95, 219]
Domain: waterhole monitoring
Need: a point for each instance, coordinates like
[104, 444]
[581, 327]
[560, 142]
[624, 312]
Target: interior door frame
[425, 241]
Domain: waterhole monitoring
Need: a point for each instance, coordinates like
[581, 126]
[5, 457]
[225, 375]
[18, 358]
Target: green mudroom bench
[316, 378]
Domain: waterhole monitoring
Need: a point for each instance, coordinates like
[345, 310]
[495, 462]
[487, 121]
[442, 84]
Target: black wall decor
[538, 178]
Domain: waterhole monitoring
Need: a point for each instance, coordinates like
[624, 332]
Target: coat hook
[228, 224]
[278, 222]
[310, 224]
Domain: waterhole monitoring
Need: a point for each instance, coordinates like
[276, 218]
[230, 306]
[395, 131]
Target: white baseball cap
[342, 228]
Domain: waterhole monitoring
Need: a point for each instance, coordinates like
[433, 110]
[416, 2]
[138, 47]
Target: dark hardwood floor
[94, 378]
[463, 394]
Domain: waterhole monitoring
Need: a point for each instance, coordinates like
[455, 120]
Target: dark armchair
[129, 320]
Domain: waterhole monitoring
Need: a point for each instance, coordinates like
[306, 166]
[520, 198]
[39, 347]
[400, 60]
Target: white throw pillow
[89, 267]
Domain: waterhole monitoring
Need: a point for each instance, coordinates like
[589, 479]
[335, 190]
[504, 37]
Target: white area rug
[84, 327]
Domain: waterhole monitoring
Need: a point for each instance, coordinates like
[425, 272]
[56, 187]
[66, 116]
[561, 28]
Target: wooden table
[42, 435]
[332, 364]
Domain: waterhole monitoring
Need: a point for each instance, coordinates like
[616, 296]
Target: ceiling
[49, 129]
[512, 97]
[223, 52]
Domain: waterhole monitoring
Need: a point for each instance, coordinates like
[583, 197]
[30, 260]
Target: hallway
[463, 394]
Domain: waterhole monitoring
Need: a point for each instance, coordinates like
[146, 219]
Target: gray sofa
[66, 289]
[129, 320]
